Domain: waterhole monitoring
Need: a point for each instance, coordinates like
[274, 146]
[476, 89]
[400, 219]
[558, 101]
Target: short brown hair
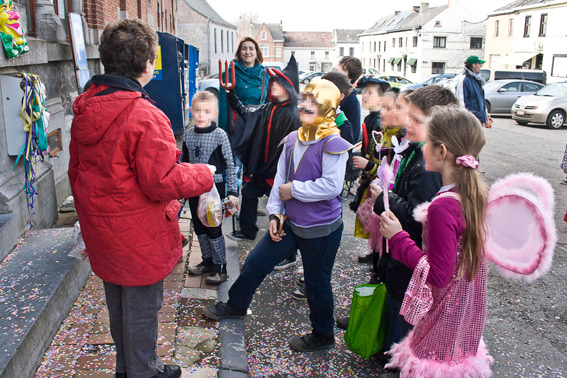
[433, 95]
[259, 56]
[126, 46]
[340, 80]
[204, 96]
[353, 66]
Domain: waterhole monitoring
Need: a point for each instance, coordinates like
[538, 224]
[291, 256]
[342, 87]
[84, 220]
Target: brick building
[314, 51]
[271, 40]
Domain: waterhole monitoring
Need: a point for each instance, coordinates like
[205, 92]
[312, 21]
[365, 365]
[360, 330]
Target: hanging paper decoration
[12, 35]
[35, 119]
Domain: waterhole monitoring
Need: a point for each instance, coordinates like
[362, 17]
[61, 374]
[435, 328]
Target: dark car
[307, 78]
[433, 80]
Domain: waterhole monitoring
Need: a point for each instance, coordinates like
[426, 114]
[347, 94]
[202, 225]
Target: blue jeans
[318, 257]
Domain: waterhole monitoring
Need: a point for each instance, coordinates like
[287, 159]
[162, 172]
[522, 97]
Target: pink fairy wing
[521, 234]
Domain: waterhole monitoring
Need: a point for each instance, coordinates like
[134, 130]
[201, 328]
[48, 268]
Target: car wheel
[213, 91]
[523, 123]
[555, 119]
[305, 81]
[488, 107]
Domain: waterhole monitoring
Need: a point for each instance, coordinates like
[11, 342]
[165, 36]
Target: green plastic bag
[366, 330]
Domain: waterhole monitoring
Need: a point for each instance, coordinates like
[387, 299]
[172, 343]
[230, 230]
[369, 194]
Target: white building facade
[424, 41]
[346, 42]
[531, 36]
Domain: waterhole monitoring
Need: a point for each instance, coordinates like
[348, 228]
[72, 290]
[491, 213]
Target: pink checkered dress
[447, 341]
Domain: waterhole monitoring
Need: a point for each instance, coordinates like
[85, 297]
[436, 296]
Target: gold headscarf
[327, 96]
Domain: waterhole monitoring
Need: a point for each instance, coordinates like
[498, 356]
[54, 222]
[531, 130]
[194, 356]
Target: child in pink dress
[446, 298]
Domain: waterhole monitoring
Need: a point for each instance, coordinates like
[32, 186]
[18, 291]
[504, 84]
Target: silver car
[547, 106]
[500, 95]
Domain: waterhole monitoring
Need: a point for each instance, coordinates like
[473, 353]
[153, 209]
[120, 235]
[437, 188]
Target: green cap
[474, 59]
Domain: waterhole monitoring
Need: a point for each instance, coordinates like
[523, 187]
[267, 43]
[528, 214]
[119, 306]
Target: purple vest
[309, 214]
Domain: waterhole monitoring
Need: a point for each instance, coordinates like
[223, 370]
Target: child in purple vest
[307, 190]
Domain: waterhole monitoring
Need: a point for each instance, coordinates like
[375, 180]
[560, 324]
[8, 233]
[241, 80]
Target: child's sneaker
[216, 278]
[312, 341]
[299, 294]
[201, 268]
[284, 264]
[223, 310]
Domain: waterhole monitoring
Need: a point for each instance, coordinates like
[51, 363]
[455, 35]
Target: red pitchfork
[228, 85]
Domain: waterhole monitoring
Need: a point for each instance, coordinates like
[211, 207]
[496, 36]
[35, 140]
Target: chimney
[396, 13]
[424, 7]
[416, 8]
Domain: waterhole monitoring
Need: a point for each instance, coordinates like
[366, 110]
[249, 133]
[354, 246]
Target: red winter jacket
[125, 182]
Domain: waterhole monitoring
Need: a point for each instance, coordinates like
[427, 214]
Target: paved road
[526, 330]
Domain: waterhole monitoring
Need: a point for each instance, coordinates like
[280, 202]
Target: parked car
[547, 106]
[307, 78]
[304, 75]
[395, 81]
[211, 84]
[500, 95]
[432, 80]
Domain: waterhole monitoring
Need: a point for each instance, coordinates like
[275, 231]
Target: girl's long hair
[461, 132]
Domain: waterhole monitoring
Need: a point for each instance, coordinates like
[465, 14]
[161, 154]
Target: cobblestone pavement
[83, 346]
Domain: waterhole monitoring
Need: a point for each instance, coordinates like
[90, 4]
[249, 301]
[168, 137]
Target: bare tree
[244, 24]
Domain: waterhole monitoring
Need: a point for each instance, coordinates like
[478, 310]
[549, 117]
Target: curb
[234, 360]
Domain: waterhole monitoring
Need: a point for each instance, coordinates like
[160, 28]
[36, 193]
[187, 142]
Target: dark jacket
[255, 141]
[351, 107]
[345, 127]
[473, 96]
[415, 186]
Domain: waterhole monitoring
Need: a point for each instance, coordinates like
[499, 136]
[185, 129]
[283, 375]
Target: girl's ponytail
[461, 132]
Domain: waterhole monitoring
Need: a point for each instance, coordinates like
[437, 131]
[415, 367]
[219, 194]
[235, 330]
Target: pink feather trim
[403, 358]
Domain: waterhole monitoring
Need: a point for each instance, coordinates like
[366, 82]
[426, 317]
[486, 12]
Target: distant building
[346, 42]
[201, 26]
[314, 51]
[528, 34]
[423, 41]
[271, 40]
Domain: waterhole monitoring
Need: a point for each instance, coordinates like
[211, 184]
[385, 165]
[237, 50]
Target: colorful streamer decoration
[11, 33]
[35, 126]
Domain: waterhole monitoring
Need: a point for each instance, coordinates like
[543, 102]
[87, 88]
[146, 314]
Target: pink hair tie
[467, 161]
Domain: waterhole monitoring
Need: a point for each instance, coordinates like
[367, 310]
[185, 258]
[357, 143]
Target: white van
[497, 74]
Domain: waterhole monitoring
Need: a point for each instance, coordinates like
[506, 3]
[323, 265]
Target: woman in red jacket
[125, 183]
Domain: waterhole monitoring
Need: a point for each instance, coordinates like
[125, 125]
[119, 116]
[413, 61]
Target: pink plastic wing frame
[521, 232]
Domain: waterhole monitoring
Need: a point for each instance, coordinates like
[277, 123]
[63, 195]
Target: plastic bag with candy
[209, 210]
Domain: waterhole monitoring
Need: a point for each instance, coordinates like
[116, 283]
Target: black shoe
[169, 371]
[216, 278]
[312, 341]
[184, 242]
[223, 310]
[284, 264]
[120, 375]
[366, 259]
[299, 294]
[239, 235]
[342, 323]
[301, 280]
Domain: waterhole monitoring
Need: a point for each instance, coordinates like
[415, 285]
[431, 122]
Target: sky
[326, 15]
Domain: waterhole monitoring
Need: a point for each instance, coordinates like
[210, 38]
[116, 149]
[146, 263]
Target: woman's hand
[375, 191]
[233, 201]
[359, 162]
[277, 237]
[285, 192]
[389, 225]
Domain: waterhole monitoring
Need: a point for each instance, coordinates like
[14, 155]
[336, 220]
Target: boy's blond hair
[204, 96]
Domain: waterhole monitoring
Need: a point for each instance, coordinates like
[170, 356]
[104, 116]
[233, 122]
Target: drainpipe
[209, 46]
